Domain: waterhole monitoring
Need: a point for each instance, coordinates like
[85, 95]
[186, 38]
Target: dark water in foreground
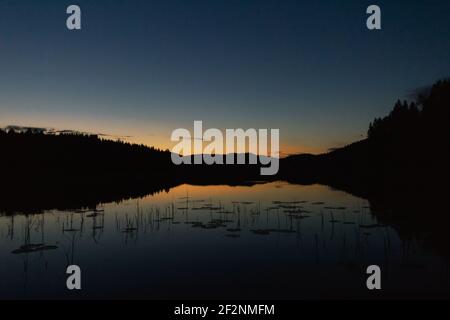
[274, 241]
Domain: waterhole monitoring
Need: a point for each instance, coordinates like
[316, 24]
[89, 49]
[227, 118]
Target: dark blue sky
[144, 68]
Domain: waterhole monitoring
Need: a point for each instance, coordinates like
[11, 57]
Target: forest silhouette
[404, 154]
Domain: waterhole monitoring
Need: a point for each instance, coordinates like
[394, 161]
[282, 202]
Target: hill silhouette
[401, 168]
[71, 170]
[406, 152]
[67, 170]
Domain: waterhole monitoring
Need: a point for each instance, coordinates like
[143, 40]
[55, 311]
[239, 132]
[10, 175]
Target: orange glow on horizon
[134, 132]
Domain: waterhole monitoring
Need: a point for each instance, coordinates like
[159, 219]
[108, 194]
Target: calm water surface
[275, 241]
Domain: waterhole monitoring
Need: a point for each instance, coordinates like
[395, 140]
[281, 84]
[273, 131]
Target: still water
[266, 241]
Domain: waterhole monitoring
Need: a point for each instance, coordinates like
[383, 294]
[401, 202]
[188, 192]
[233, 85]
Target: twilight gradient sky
[144, 68]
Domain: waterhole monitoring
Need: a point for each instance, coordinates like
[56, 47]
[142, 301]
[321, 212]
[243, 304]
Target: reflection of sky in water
[267, 241]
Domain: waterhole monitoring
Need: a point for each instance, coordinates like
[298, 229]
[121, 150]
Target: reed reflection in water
[274, 240]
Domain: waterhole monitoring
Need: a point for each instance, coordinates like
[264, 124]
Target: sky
[140, 69]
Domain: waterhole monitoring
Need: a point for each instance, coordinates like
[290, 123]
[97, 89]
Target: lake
[266, 241]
